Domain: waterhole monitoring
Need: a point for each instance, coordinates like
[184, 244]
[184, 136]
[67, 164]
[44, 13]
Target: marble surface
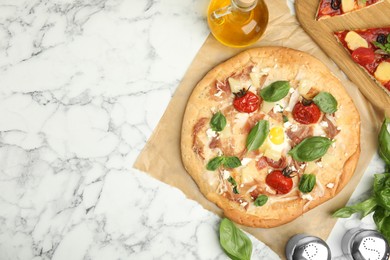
[83, 83]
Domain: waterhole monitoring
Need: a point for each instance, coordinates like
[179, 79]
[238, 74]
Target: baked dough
[333, 170]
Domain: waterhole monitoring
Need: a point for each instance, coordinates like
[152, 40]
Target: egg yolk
[276, 135]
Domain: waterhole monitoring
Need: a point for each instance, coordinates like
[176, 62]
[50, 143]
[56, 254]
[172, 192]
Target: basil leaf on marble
[214, 163]
[234, 242]
[326, 102]
[365, 207]
[218, 122]
[276, 91]
[384, 141]
[257, 135]
[307, 182]
[310, 149]
[261, 200]
[231, 162]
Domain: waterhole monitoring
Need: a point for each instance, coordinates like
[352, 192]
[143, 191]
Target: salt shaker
[364, 244]
[305, 247]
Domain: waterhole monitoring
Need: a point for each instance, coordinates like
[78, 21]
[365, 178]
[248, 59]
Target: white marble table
[82, 86]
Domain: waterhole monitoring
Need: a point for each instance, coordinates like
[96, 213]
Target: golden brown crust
[285, 64]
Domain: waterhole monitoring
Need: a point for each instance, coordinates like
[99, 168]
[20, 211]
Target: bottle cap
[245, 3]
[362, 244]
[305, 247]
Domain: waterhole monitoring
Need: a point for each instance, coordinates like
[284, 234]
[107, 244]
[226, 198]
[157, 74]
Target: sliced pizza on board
[330, 8]
[370, 48]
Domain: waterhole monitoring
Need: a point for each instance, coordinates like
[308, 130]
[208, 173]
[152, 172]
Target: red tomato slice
[247, 103]
[363, 56]
[279, 182]
[306, 114]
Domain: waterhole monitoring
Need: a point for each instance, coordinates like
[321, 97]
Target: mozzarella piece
[267, 106]
[210, 133]
[304, 87]
[382, 72]
[347, 5]
[355, 41]
[330, 185]
[311, 167]
[235, 85]
[307, 197]
[255, 78]
[293, 100]
[273, 154]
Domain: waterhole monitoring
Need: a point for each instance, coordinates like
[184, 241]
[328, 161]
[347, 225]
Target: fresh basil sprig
[276, 91]
[234, 242]
[227, 161]
[310, 149]
[307, 182]
[326, 102]
[257, 135]
[379, 202]
[218, 122]
[261, 200]
[384, 142]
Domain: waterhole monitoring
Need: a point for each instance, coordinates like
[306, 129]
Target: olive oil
[237, 23]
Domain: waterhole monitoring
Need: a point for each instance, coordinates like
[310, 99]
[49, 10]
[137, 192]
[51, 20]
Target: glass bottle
[237, 23]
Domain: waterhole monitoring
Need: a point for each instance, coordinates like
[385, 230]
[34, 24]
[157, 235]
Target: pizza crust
[285, 64]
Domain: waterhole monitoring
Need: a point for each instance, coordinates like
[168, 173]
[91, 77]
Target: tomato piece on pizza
[330, 8]
[370, 49]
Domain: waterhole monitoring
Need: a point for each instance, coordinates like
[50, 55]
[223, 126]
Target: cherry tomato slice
[306, 114]
[279, 182]
[247, 103]
[363, 56]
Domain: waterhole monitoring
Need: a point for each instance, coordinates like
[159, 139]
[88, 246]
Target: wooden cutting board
[322, 33]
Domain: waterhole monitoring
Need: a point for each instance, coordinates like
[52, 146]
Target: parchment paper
[161, 156]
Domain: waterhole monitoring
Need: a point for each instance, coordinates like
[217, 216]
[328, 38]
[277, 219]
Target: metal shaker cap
[305, 247]
[364, 244]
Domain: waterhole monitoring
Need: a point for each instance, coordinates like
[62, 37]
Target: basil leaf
[257, 135]
[307, 182]
[234, 242]
[385, 228]
[365, 207]
[276, 91]
[310, 149]
[231, 162]
[326, 102]
[379, 216]
[232, 181]
[285, 119]
[261, 200]
[345, 212]
[218, 122]
[383, 198]
[214, 163]
[384, 141]
[380, 182]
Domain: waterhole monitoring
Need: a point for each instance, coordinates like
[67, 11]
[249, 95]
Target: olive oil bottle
[237, 23]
